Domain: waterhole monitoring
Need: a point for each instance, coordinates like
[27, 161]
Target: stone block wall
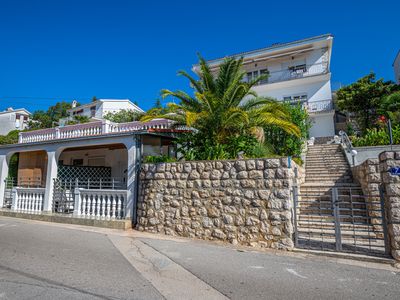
[369, 176]
[391, 185]
[245, 202]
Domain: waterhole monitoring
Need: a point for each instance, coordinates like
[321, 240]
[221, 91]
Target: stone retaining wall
[245, 202]
[392, 199]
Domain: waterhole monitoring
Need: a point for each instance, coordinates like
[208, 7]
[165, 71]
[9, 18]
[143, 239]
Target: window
[93, 111]
[264, 72]
[255, 74]
[295, 99]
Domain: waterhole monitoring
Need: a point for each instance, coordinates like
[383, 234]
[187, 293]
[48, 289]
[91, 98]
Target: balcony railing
[296, 72]
[319, 106]
[91, 129]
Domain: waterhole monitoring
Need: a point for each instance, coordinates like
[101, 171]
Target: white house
[396, 68]
[86, 171]
[13, 119]
[97, 109]
[298, 71]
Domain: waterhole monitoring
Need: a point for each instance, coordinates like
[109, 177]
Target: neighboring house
[298, 72]
[13, 119]
[97, 109]
[396, 68]
[85, 170]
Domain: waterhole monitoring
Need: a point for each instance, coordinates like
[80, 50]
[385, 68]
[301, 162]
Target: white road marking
[256, 267]
[291, 271]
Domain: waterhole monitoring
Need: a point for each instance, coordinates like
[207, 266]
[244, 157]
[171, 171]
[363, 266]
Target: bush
[10, 138]
[158, 159]
[286, 144]
[375, 137]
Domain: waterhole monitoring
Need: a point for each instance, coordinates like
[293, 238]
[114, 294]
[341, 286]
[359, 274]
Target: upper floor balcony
[103, 127]
[290, 73]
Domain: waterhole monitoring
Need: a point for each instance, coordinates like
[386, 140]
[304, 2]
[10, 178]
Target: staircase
[327, 168]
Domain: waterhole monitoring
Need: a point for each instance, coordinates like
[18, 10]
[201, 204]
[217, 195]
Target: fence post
[77, 201]
[14, 199]
[384, 222]
[336, 214]
[295, 203]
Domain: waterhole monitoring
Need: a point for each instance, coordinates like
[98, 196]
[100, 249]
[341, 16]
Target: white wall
[322, 125]
[8, 122]
[116, 159]
[316, 91]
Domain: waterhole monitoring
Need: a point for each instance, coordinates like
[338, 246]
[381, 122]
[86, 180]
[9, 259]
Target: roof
[15, 111]
[397, 56]
[274, 47]
[105, 100]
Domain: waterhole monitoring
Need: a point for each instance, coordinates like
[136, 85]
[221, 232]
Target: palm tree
[223, 104]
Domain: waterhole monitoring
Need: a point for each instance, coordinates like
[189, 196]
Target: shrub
[287, 144]
[158, 159]
[377, 137]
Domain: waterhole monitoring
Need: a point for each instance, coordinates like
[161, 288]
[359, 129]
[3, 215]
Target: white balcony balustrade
[100, 204]
[29, 200]
[319, 106]
[295, 72]
[91, 129]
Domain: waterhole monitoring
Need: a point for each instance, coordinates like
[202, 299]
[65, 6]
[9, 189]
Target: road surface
[53, 261]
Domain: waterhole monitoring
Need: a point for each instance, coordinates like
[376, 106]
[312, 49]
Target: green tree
[123, 116]
[94, 99]
[364, 98]
[390, 107]
[218, 112]
[47, 119]
[158, 103]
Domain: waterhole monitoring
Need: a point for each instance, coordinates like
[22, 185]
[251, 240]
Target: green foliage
[376, 137]
[364, 98]
[10, 138]
[47, 119]
[78, 120]
[158, 159]
[224, 123]
[13, 166]
[390, 107]
[287, 144]
[196, 146]
[123, 116]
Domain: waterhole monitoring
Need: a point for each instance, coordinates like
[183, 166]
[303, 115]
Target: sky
[65, 50]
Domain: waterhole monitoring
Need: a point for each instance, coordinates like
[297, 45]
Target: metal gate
[339, 219]
[63, 193]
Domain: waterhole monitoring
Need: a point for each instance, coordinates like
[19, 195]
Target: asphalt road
[45, 261]
[38, 261]
[255, 275]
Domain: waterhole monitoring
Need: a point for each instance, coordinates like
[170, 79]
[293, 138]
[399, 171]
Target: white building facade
[97, 109]
[13, 119]
[396, 68]
[298, 72]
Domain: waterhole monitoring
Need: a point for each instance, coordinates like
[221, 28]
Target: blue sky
[53, 50]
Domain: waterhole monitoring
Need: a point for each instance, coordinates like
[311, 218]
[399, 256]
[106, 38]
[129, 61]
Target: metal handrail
[345, 141]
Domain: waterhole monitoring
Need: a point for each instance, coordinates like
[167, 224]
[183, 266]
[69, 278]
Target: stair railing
[347, 145]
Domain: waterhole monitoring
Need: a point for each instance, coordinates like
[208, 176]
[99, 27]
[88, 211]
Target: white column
[130, 212]
[51, 174]
[3, 176]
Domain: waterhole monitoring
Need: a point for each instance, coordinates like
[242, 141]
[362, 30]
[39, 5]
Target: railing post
[57, 130]
[19, 137]
[336, 214]
[105, 126]
[77, 201]
[14, 199]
